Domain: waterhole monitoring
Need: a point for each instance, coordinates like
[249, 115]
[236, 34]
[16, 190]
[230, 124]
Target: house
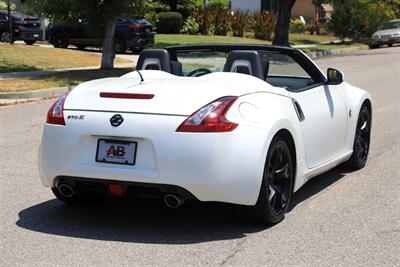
[304, 8]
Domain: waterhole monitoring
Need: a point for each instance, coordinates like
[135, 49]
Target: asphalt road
[339, 218]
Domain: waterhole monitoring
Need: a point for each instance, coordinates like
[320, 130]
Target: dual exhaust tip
[172, 201]
[66, 190]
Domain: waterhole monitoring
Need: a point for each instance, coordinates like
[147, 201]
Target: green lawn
[69, 78]
[164, 40]
[304, 39]
[21, 57]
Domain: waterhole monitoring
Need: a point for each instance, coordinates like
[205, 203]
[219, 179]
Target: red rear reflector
[136, 27]
[127, 95]
[116, 190]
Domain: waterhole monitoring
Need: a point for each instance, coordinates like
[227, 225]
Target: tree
[282, 26]
[360, 18]
[101, 15]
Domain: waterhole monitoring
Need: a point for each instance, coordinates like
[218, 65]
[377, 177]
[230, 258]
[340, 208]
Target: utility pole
[10, 21]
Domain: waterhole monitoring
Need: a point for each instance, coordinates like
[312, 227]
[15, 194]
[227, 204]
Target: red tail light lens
[210, 118]
[55, 115]
[135, 27]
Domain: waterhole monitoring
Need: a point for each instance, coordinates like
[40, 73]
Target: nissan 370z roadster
[239, 124]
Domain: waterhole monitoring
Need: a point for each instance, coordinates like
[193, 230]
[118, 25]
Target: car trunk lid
[169, 95]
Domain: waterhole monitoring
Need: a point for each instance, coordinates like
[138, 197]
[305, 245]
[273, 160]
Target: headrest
[176, 68]
[246, 62]
[154, 59]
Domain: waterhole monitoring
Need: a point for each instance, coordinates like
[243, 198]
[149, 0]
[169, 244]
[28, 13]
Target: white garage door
[246, 5]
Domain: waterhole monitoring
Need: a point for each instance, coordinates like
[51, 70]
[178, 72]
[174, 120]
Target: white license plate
[36, 35]
[117, 152]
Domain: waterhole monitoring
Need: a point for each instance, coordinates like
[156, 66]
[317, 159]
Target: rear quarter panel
[270, 113]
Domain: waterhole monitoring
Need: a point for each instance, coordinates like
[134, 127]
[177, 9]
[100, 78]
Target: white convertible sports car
[241, 124]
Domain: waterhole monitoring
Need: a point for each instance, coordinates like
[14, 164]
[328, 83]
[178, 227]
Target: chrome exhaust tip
[66, 190]
[173, 201]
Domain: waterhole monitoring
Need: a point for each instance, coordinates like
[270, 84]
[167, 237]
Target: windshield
[391, 25]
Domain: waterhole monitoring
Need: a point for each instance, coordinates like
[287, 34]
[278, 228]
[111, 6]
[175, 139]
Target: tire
[390, 45]
[119, 45]
[362, 139]
[277, 184]
[30, 42]
[371, 46]
[81, 47]
[79, 197]
[60, 40]
[5, 37]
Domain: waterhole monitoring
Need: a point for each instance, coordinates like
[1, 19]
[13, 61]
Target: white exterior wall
[248, 5]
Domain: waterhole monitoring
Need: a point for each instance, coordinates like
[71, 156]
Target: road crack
[238, 248]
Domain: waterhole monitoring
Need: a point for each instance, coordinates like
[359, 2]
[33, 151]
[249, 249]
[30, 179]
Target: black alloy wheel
[5, 37]
[277, 186]
[60, 40]
[361, 139]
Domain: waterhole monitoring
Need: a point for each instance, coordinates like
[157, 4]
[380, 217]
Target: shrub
[296, 26]
[150, 16]
[239, 21]
[263, 25]
[190, 26]
[218, 4]
[313, 27]
[204, 17]
[221, 21]
[168, 22]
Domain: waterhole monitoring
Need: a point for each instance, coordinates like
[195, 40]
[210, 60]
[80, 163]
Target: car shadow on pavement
[140, 221]
[137, 221]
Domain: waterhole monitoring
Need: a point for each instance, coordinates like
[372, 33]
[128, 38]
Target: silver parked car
[388, 34]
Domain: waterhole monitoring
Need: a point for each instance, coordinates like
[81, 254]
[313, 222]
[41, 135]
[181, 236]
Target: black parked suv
[24, 28]
[134, 34]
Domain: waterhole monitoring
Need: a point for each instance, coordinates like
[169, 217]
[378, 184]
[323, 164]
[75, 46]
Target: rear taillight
[136, 27]
[210, 118]
[55, 115]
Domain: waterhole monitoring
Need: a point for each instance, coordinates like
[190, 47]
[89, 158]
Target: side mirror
[334, 76]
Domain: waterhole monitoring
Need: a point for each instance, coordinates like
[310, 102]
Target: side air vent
[298, 110]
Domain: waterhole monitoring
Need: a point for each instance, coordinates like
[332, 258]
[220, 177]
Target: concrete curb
[336, 52]
[36, 94]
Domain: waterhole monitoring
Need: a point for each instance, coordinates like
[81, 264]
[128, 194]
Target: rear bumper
[212, 167]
